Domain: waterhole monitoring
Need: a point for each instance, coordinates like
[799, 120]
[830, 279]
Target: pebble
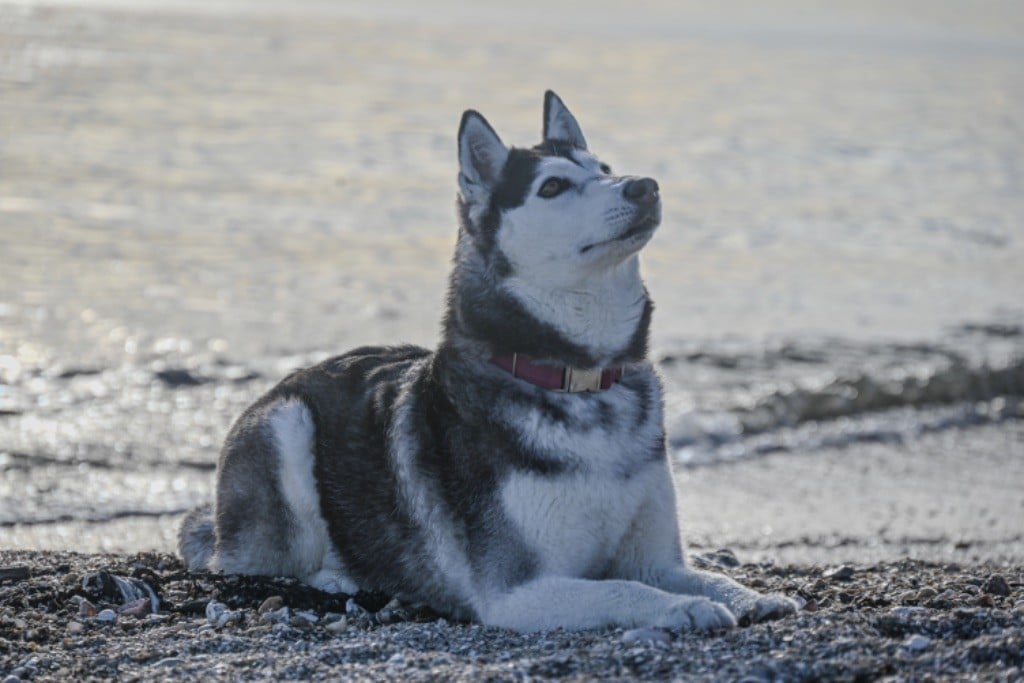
[178, 377]
[277, 616]
[107, 615]
[75, 627]
[86, 608]
[916, 643]
[645, 635]
[14, 573]
[218, 615]
[353, 608]
[274, 602]
[909, 613]
[392, 613]
[136, 608]
[307, 615]
[926, 593]
[12, 679]
[996, 585]
[337, 626]
[214, 610]
[844, 573]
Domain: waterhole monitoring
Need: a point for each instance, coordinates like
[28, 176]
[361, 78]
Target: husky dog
[517, 475]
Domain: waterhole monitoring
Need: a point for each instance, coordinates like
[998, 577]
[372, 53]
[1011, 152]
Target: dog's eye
[553, 187]
[606, 169]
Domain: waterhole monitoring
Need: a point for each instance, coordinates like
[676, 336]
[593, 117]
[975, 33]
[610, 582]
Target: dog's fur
[442, 479]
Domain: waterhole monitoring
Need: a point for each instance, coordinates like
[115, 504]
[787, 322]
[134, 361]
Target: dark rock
[179, 377]
[105, 587]
[136, 608]
[14, 574]
[996, 585]
[843, 573]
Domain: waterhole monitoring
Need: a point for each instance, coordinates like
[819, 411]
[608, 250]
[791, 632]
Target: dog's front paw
[699, 614]
[768, 608]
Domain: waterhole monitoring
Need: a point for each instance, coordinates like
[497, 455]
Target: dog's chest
[610, 447]
[573, 523]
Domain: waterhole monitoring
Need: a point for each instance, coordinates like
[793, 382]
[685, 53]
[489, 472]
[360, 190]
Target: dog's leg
[652, 552]
[554, 601]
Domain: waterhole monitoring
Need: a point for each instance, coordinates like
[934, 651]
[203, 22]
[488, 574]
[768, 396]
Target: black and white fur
[440, 478]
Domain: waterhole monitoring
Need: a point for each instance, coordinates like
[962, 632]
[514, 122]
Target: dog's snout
[641, 190]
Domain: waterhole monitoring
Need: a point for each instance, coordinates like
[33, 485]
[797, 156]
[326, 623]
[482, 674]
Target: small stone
[996, 585]
[926, 593]
[307, 615]
[136, 608]
[228, 618]
[86, 608]
[277, 616]
[337, 626]
[392, 613]
[14, 574]
[218, 615]
[12, 679]
[75, 627]
[907, 613]
[645, 635]
[725, 558]
[107, 615]
[353, 608]
[178, 377]
[916, 643]
[985, 600]
[214, 611]
[274, 602]
[843, 573]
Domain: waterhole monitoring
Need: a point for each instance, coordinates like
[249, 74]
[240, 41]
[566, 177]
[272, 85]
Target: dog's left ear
[559, 123]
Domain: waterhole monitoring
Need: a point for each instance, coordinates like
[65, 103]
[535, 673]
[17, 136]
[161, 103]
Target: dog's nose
[641, 190]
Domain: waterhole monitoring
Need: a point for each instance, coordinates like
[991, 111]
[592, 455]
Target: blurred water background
[196, 198]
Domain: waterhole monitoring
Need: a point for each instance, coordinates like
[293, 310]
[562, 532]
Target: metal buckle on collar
[577, 380]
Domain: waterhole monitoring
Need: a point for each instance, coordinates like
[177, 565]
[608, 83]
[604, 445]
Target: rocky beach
[195, 200]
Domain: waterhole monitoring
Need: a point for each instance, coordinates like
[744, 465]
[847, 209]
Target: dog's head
[547, 256]
[555, 212]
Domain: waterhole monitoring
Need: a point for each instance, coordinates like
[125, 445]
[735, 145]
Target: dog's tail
[195, 538]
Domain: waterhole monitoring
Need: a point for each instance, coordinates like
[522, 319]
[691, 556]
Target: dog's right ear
[482, 157]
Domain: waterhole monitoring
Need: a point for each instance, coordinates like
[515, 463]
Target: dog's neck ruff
[558, 377]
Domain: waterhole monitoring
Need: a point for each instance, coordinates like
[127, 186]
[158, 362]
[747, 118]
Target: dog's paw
[698, 614]
[769, 608]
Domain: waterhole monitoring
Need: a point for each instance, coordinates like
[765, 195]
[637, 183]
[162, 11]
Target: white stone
[916, 643]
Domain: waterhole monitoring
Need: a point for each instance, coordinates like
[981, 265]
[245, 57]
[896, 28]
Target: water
[232, 193]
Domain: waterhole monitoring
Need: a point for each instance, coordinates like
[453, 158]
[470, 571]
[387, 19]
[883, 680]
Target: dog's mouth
[639, 230]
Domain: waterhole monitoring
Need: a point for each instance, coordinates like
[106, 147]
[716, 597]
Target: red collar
[558, 377]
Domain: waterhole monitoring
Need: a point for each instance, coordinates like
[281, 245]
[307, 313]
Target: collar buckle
[577, 380]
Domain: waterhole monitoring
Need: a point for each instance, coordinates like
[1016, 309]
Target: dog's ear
[559, 123]
[482, 156]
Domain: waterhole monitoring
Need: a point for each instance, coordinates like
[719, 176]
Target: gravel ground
[63, 617]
